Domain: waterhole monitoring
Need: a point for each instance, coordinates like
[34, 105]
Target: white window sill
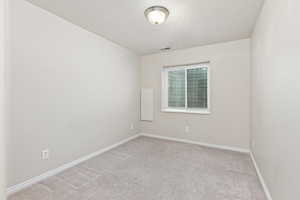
[172, 110]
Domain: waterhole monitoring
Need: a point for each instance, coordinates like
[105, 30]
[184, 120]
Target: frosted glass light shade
[156, 14]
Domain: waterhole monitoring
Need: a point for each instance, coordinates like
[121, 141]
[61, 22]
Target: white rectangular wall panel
[147, 104]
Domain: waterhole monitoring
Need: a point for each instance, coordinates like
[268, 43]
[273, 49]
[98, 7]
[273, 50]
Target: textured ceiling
[191, 22]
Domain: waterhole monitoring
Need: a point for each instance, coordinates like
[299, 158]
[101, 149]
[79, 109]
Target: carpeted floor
[153, 169]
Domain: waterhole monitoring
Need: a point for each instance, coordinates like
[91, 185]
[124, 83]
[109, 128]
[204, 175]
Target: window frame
[165, 87]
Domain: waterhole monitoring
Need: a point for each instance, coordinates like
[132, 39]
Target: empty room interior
[150, 99]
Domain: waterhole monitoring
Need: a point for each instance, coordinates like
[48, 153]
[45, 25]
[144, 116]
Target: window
[186, 88]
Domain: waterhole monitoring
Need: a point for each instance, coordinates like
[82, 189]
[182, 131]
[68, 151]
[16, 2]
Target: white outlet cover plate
[45, 154]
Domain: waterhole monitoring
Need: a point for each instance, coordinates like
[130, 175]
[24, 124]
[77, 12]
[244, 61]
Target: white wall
[228, 123]
[2, 96]
[70, 91]
[276, 97]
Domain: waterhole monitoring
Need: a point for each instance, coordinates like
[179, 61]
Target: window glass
[197, 88]
[176, 88]
[185, 88]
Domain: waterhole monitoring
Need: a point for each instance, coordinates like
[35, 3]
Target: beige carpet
[153, 169]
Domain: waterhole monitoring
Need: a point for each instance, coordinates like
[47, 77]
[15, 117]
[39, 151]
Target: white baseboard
[261, 179]
[53, 172]
[223, 147]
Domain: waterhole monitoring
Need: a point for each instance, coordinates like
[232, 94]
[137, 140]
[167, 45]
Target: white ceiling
[191, 22]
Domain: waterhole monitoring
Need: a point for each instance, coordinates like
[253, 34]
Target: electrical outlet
[131, 126]
[45, 154]
[187, 129]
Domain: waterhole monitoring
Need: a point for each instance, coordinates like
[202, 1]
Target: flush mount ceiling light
[157, 14]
